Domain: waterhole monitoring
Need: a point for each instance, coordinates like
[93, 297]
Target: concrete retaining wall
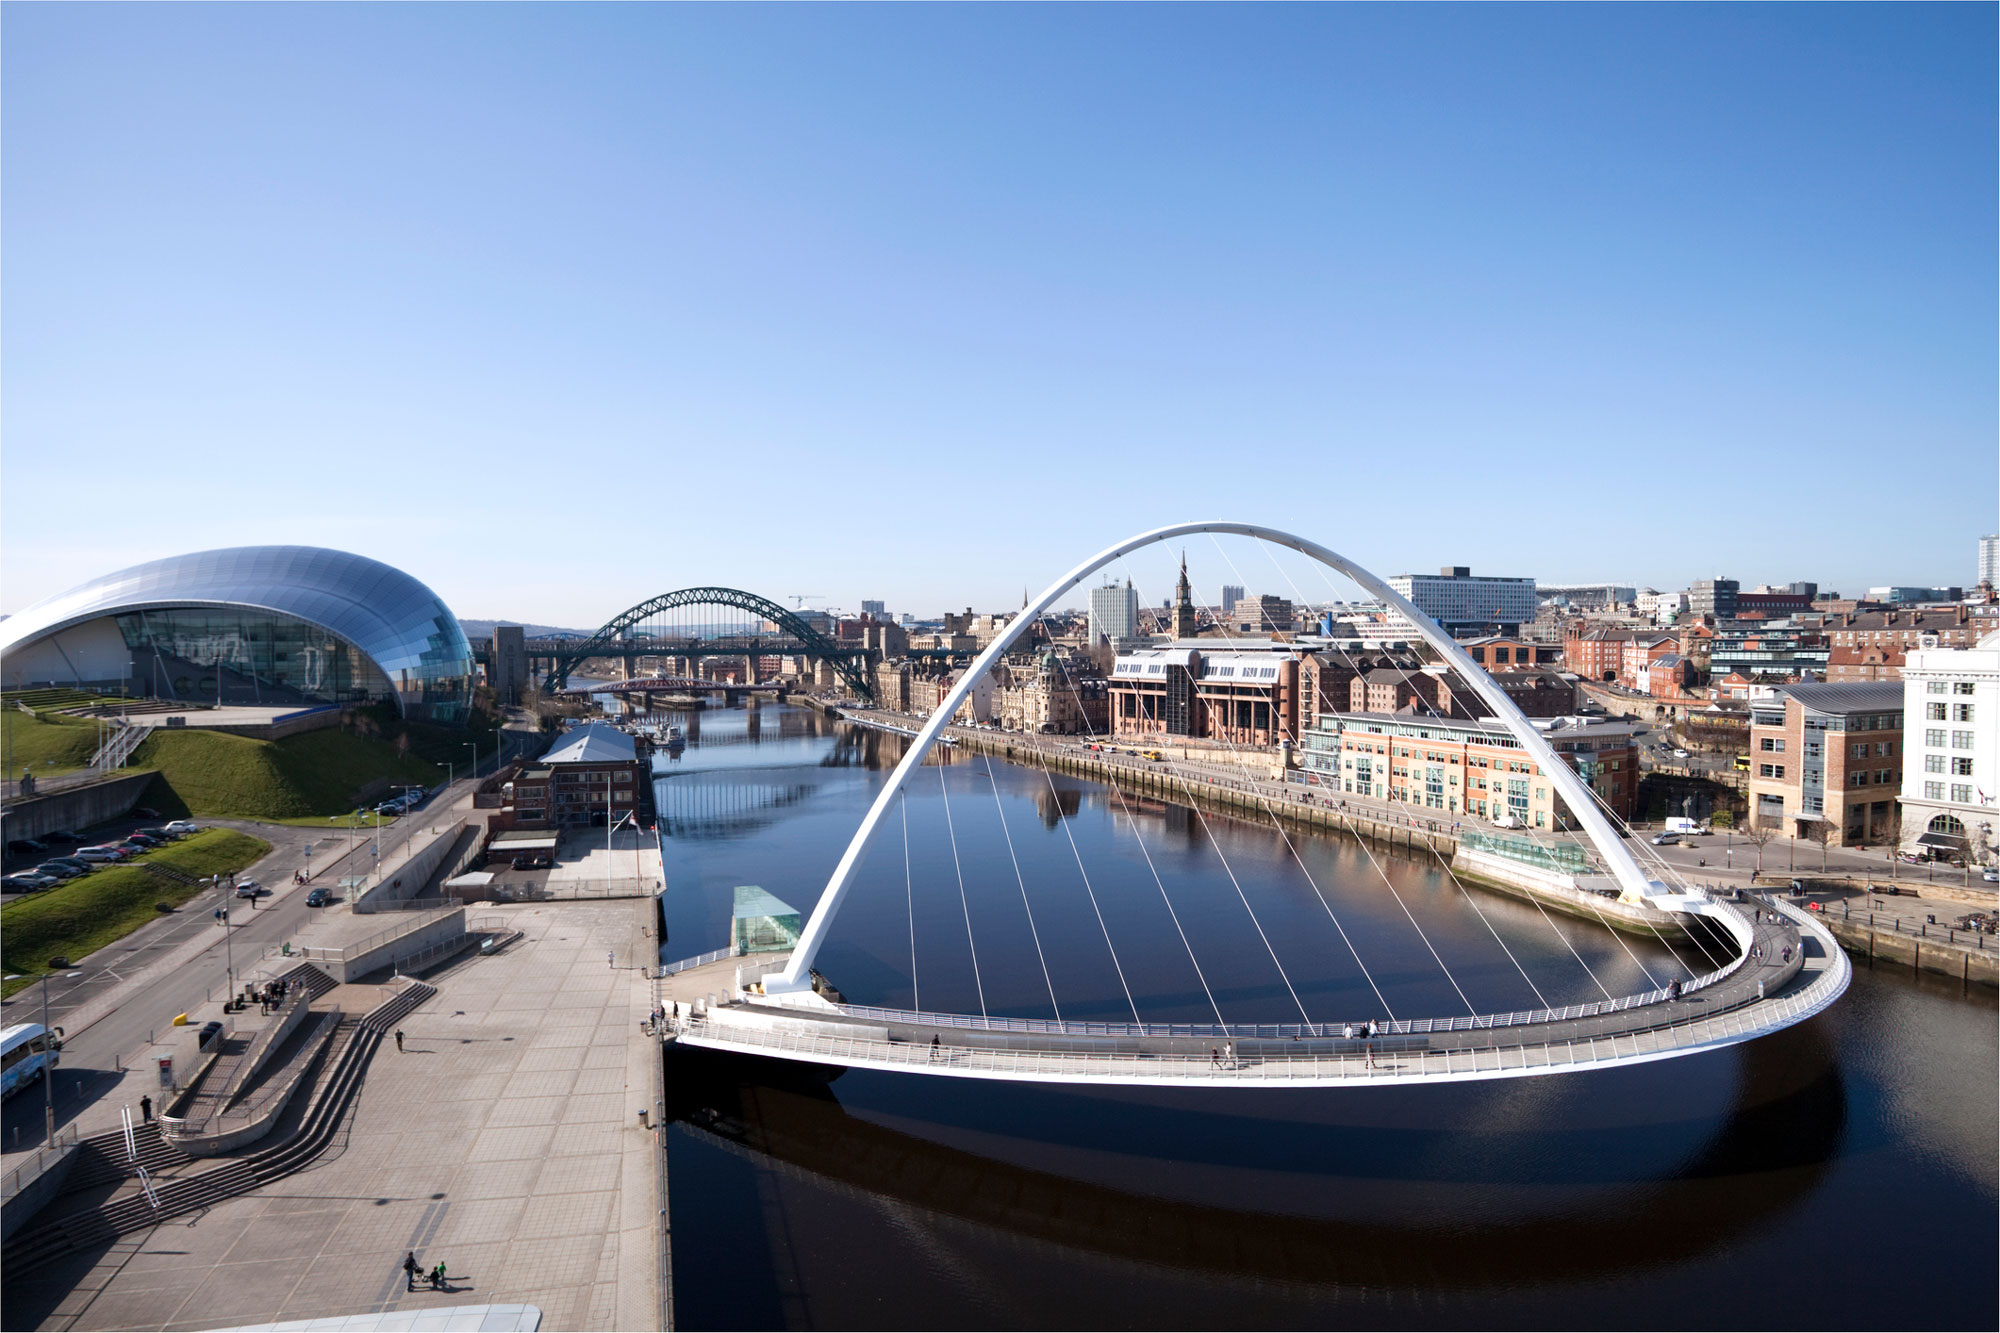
[408, 879]
[1939, 956]
[390, 952]
[36, 1193]
[75, 807]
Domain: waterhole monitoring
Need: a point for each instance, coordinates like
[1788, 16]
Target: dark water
[1839, 1175]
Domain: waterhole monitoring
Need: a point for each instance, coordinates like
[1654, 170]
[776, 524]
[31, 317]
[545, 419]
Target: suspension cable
[1022, 881]
[962, 902]
[1532, 834]
[1137, 837]
[1278, 824]
[1092, 893]
[910, 897]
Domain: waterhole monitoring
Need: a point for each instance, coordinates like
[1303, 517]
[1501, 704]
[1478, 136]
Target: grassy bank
[309, 776]
[47, 745]
[88, 913]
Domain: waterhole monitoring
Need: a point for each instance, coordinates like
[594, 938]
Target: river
[1840, 1174]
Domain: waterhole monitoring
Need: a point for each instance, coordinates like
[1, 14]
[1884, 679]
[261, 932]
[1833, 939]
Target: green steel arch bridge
[697, 623]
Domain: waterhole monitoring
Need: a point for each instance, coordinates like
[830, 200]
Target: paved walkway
[504, 1141]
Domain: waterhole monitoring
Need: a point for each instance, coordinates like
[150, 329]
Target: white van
[1505, 820]
[1682, 824]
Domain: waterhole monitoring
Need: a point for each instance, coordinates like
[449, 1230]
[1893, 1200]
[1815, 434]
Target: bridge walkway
[1788, 980]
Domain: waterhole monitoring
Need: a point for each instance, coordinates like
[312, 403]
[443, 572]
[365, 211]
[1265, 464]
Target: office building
[510, 664]
[1989, 560]
[1714, 597]
[1232, 593]
[1114, 614]
[1455, 599]
[1951, 782]
[875, 609]
[1828, 759]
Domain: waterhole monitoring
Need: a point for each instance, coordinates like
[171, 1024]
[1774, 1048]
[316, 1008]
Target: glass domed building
[270, 625]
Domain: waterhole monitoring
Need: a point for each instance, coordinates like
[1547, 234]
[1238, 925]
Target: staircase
[101, 1159]
[315, 981]
[133, 1212]
[119, 746]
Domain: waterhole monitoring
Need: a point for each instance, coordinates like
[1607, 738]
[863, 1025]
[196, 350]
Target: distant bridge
[668, 626]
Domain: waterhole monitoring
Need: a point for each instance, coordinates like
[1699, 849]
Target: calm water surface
[1841, 1174]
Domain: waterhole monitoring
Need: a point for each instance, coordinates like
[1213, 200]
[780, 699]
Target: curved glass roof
[397, 621]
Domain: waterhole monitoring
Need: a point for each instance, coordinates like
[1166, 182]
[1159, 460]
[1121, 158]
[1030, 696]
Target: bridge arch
[1635, 886]
[851, 663]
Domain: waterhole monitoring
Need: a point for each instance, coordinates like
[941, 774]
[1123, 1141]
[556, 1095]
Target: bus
[25, 1050]
[1742, 763]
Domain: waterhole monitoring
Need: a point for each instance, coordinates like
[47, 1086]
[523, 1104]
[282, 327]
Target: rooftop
[593, 743]
[1860, 697]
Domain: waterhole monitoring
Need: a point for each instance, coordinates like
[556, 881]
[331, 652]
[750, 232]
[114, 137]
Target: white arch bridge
[1780, 966]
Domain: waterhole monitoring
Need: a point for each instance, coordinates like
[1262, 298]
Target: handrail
[699, 960]
[343, 954]
[45, 1156]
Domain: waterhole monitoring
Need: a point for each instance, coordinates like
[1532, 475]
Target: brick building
[1870, 645]
[1463, 767]
[594, 770]
[1828, 755]
[1242, 696]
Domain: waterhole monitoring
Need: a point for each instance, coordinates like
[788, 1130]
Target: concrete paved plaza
[504, 1140]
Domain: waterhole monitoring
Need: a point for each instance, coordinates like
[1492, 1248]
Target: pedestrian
[611, 958]
[1215, 1057]
[437, 1277]
[1348, 1031]
[399, 1041]
[145, 1110]
[937, 1050]
[410, 1268]
[1229, 1053]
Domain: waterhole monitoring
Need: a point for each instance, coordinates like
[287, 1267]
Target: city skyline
[1000, 282]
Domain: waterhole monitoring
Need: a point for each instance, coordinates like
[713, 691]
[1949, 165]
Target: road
[92, 1056]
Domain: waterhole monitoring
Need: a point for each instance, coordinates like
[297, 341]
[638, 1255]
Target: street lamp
[474, 747]
[228, 940]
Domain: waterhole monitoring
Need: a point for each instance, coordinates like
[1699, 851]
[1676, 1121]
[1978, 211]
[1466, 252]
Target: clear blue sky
[559, 307]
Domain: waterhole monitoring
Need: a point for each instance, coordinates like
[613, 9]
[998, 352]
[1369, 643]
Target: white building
[1114, 613]
[1989, 560]
[1661, 606]
[1951, 750]
[1455, 599]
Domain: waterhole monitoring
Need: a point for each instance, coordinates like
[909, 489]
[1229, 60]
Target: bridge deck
[1757, 998]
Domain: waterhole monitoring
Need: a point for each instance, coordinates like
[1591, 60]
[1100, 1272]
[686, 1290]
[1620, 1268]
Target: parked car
[28, 881]
[1990, 875]
[57, 870]
[100, 855]
[318, 898]
[76, 863]
[160, 834]
[1680, 754]
[389, 808]
[1667, 840]
[67, 839]
[249, 888]
[183, 826]
[26, 846]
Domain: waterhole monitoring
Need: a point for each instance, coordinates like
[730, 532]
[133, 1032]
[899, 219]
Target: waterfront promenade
[503, 1140]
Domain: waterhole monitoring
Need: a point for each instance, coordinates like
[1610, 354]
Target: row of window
[1961, 765]
[1957, 712]
[1949, 687]
[1859, 750]
[1961, 792]
[1960, 740]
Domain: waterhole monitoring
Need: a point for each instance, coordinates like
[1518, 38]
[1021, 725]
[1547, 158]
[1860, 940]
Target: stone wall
[75, 807]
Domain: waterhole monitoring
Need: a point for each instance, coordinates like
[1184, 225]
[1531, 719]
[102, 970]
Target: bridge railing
[1279, 1066]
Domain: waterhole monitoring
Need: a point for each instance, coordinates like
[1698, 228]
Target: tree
[1892, 831]
[1757, 834]
[1821, 832]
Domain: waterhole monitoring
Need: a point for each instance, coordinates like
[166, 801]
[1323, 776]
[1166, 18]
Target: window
[1934, 687]
[1883, 749]
[1933, 763]
[1961, 712]
[1961, 793]
[1770, 770]
[1934, 736]
[1935, 712]
[1933, 791]
[1961, 687]
[1859, 750]
[1961, 740]
[1883, 777]
[1858, 779]
[1962, 766]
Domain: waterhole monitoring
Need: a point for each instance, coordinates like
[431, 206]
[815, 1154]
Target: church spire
[1184, 618]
